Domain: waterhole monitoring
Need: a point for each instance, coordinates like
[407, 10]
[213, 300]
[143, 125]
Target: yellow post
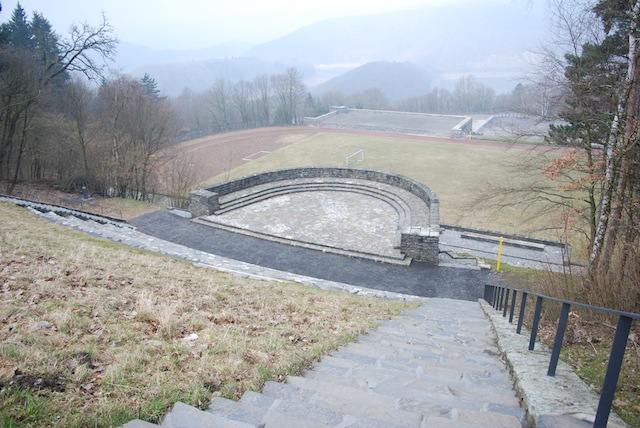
[499, 254]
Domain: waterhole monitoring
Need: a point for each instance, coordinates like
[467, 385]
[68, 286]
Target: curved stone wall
[418, 241]
[212, 193]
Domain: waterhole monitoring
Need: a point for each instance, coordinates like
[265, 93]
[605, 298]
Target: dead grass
[125, 209]
[96, 334]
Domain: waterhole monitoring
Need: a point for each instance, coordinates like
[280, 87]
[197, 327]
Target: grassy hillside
[94, 334]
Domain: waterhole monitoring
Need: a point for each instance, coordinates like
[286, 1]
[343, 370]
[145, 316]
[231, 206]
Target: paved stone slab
[185, 416]
[236, 410]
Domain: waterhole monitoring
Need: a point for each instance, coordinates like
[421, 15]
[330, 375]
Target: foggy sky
[195, 24]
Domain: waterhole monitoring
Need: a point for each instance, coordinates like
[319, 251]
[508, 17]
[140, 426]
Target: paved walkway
[418, 279]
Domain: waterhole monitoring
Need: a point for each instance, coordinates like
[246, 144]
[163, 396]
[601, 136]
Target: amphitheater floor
[322, 220]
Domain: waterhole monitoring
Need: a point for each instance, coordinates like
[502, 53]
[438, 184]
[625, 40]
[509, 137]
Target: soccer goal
[357, 157]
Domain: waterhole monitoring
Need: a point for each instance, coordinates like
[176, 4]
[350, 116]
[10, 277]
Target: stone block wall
[203, 202]
[421, 244]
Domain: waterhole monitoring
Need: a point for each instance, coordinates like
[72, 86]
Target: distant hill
[490, 40]
[486, 39]
[396, 80]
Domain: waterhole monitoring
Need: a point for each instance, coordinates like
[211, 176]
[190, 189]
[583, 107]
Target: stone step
[262, 400]
[519, 243]
[137, 423]
[185, 416]
[237, 410]
[277, 413]
[390, 357]
[488, 385]
[353, 401]
[233, 201]
[400, 403]
[277, 188]
[429, 335]
[424, 392]
[433, 345]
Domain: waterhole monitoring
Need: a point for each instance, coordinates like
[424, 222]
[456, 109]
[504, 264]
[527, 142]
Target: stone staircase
[436, 366]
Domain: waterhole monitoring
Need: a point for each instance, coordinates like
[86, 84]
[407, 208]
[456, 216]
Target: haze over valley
[403, 53]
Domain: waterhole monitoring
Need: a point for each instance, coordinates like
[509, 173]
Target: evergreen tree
[44, 42]
[18, 31]
[150, 86]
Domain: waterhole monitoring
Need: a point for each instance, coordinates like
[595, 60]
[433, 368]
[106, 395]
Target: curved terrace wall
[419, 241]
[200, 207]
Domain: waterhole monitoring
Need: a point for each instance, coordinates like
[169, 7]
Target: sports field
[457, 170]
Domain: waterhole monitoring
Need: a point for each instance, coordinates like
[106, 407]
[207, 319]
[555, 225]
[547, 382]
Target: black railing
[504, 299]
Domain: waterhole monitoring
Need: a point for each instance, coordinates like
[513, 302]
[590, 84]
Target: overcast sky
[194, 24]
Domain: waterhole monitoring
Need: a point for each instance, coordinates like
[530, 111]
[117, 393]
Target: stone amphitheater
[402, 223]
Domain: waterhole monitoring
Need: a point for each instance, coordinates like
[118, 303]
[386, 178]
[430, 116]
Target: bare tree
[220, 105]
[139, 126]
[79, 100]
[371, 98]
[262, 99]
[241, 94]
[180, 174]
[289, 94]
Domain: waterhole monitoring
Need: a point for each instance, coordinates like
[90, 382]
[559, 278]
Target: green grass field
[456, 172]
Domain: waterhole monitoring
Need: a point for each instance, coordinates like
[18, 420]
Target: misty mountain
[395, 79]
[447, 41]
[130, 56]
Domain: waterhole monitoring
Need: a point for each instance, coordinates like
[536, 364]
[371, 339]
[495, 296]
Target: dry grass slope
[95, 334]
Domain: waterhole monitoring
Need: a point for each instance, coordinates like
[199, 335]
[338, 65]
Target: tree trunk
[631, 106]
[608, 185]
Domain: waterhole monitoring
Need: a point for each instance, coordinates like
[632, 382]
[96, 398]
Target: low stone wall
[419, 242]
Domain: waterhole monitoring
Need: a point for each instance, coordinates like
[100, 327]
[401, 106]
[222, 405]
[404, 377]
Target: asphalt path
[419, 279]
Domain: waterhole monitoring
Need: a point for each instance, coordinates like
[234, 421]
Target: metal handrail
[498, 297]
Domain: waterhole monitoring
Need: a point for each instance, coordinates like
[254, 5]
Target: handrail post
[506, 303]
[488, 293]
[523, 303]
[613, 371]
[536, 322]
[513, 306]
[557, 345]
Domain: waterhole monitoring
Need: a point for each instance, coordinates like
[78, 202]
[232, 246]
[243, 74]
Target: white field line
[255, 155]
